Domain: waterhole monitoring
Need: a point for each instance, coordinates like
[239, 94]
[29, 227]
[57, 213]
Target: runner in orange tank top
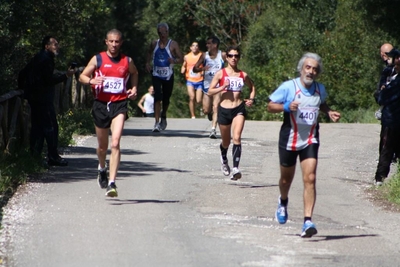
[194, 80]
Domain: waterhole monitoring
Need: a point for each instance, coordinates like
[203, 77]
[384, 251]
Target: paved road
[176, 209]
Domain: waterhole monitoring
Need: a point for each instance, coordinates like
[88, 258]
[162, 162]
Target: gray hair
[314, 56]
[162, 25]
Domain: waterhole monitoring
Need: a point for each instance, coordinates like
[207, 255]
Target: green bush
[78, 121]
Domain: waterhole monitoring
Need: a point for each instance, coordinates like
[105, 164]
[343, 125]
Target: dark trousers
[162, 92]
[390, 145]
[44, 126]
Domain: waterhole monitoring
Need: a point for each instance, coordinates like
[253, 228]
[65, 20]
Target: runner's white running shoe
[236, 174]
[225, 168]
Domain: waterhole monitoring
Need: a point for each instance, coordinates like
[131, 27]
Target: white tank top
[304, 121]
[215, 65]
[148, 103]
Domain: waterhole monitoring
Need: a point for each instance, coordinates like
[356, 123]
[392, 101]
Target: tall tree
[276, 41]
[25, 23]
[228, 20]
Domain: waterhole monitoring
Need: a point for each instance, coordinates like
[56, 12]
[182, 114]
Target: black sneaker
[57, 162]
[213, 134]
[102, 179]
[112, 190]
[163, 123]
[210, 115]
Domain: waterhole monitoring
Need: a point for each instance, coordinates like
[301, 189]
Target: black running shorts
[162, 89]
[288, 158]
[104, 112]
[226, 115]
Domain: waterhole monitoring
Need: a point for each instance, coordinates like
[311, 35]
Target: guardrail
[14, 118]
[15, 111]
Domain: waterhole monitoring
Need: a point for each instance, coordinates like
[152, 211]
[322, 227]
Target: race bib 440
[307, 115]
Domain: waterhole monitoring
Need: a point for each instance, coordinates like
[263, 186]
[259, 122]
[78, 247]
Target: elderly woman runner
[229, 82]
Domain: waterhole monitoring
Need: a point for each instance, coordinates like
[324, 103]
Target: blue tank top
[161, 66]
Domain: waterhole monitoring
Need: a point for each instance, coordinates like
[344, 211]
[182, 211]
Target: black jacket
[43, 65]
[389, 98]
[387, 72]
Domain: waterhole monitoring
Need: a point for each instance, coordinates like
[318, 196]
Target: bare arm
[333, 115]
[199, 62]
[249, 82]
[132, 92]
[223, 55]
[176, 53]
[86, 75]
[274, 107]
[183, 68]
[213, 90]
[140, 104]
[149, 56]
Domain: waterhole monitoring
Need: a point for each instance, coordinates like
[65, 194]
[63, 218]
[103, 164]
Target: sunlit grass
[392, 187]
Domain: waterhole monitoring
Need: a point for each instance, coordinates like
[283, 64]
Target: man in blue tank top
[161, 57]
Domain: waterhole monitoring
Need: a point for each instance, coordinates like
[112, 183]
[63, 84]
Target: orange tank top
[191, 61]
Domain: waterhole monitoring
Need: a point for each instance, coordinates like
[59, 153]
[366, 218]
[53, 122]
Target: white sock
[102, 169]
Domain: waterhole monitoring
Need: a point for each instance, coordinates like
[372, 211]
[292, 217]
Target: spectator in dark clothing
[385, 78]
[41, 100]
[389, 99]
[386, 73]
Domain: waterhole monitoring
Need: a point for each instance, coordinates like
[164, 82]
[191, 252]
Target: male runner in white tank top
[211, 62]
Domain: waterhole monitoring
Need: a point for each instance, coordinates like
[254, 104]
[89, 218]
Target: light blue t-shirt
[287, 90]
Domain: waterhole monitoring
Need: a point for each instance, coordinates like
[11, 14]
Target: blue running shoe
[281, 214]
[309, 229]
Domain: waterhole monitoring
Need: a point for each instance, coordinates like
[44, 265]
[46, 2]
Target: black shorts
[226, 115]
[148, 115]
[162, 88]
[104, 112]
[288, 158]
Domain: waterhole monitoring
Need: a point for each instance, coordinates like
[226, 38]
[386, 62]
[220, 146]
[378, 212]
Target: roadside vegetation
[390, 191]
[272, 34]
[15, 169]
[393, 187]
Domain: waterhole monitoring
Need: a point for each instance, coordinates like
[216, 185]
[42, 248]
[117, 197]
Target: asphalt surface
[175, 208]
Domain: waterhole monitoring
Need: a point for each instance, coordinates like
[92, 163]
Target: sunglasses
[231, 56]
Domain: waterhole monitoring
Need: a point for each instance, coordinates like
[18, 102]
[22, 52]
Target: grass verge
[15, 169]
[18, 166]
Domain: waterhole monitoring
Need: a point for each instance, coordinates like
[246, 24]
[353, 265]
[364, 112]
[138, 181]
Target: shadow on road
[254, 185]
[167, 133]
[116, 201]
[319, 238]
[81, 167]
